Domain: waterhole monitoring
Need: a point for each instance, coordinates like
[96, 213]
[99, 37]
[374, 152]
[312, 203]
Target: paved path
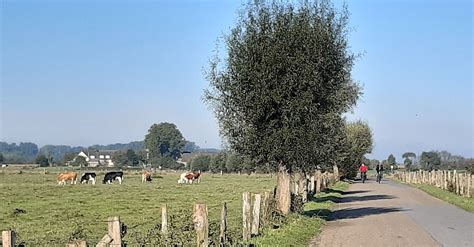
[391, 214]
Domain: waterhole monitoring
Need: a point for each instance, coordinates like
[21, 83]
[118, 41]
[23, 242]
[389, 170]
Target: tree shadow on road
[348, 199]
[352, 213]
[346, 192]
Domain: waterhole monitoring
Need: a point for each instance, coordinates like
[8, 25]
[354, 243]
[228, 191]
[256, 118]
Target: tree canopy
[359, 142]
[391, 161]
[430, 160]
[42, 160]
[164, 139]
[280, 91]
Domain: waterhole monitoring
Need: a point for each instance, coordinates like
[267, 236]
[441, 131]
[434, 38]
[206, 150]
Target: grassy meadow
[45, 214]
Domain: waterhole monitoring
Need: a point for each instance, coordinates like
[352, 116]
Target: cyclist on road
[379, 170]
[363, 172]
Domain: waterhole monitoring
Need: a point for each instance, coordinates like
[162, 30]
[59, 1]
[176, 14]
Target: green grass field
[460, 201]
[53, 214]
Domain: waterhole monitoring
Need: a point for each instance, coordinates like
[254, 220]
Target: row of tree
[428, 160]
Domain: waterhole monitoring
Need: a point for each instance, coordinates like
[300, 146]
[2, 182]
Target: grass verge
[462, 202]
[301, 228]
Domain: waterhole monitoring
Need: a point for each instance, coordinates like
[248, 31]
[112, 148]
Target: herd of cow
[109, 177]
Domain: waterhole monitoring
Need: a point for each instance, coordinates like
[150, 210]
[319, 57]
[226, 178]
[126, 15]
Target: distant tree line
[58, 155]
[428, 160]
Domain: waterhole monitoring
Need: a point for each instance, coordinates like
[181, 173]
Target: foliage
[132, 157]
[80, 161]
[1, 158]
[24, 152]
[69, 157]
[218, 162]
[409, 155]
[42, 160]
[359, 142]
[430, 160]
[166, 163]
[407, 163]
[201, 163]
[280, 92]
[373, 163]
[135, 146]
[59, 151]
[391, 161]
[190, 147]
[233, 163]
[164, 139]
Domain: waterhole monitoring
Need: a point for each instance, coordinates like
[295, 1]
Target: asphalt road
[392, 214]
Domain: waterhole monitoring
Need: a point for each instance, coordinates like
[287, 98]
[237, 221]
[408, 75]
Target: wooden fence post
[256, 214]
[164, 219]
[336, 173]
[8, 239]
[201, 224]
[106, 239]
[223, 233]
[323, 184]
[115, 231]
[318, 181]
[469, 181]
[246, 216]
[311, 185]
[265, 207]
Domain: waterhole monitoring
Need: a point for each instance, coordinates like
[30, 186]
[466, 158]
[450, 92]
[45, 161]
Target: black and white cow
[88, 177]
[111, 176]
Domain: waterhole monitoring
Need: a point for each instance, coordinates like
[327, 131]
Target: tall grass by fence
[452, 181]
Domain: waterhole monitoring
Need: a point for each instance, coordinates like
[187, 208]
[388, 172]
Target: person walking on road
[363, 172]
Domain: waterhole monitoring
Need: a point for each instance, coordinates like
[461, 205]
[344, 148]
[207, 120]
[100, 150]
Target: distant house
[98, 157]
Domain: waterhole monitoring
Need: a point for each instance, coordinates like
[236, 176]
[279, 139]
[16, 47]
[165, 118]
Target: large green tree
[430, 160]
[1, 158]
[280, 91]
[391, 161]
[359, 143]
[164, 139]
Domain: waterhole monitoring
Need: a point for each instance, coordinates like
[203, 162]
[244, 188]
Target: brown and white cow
[146, 176]
[65, 176]
[189, 177]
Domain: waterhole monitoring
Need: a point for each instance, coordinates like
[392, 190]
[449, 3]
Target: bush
[166, 163]
[201, 162]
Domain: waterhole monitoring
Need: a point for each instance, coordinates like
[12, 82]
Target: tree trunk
[283, 196]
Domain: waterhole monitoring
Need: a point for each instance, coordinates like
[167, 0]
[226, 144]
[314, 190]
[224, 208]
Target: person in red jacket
[363, 172]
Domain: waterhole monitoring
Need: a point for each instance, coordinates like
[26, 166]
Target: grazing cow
[197, 176]
[189, 177]
[182, 178]
[111, 176]
[146, 176]
[65, 176]
[88, 177]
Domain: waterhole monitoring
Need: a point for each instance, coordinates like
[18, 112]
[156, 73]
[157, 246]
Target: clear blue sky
[100, 72]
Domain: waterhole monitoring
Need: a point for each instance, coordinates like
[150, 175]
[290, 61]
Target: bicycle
[379, 176]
